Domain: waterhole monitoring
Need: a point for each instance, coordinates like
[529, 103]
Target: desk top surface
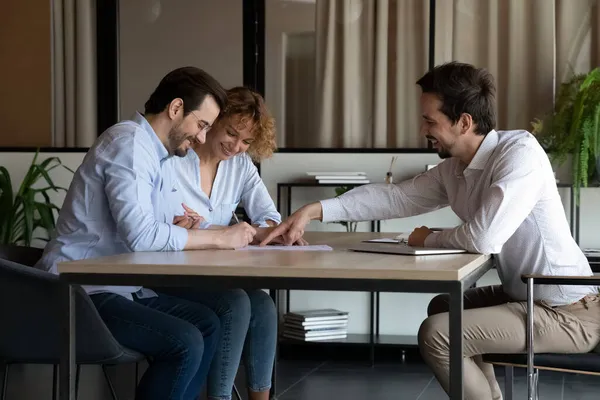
[339, 263]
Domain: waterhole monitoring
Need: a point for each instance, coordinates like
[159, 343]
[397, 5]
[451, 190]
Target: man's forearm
[314, 211]
[199, 239]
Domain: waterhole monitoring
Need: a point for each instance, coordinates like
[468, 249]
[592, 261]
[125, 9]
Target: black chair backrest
[20, 254]
[31, 316]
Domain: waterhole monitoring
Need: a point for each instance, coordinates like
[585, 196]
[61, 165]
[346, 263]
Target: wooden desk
[339, 269]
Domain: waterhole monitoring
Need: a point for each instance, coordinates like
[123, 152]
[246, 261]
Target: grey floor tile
[581, 387]
[288, 373]
[346, 381]
[316, 380]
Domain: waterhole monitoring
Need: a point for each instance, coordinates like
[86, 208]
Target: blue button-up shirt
[118, 202]
[237, 181]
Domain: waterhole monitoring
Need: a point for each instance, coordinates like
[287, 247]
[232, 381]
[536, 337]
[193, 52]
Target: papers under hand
[382, 240]
[401, 238]
[319, 247]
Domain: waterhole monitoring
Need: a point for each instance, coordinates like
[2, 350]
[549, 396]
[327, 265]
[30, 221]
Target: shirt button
[210, 209]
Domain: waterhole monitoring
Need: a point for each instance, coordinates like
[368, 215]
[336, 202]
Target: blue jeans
[180, 337]
[248, 324]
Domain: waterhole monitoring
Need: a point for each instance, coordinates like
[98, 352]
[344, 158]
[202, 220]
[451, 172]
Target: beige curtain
[369, 53]
[74, 73]
[530, 46]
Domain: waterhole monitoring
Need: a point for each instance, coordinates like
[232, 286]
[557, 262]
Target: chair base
[509, 383]
[236, 392]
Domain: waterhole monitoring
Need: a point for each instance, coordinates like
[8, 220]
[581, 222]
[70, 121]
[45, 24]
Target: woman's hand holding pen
[236, 236]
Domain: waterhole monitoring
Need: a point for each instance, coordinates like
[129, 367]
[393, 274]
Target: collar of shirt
[484, 152]
[160, 148]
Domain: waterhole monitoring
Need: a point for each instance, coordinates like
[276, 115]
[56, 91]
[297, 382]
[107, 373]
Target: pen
[237, 221]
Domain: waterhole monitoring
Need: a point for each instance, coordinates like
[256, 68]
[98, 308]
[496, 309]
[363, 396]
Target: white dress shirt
[509, 203]
[237, 181]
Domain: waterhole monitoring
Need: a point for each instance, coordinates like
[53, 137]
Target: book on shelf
[316, 338]
[326, 314]
[318, 333]
[342, 177]
[344, 181]
[314, 325]
[337, 174]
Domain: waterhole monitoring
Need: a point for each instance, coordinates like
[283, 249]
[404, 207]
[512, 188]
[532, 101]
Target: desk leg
[456, 342]
[273, 393]
[67, 355]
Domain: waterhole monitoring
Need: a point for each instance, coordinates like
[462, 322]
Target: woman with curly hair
[213, 179]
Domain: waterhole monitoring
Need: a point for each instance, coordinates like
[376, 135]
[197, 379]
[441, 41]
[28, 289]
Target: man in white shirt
[501, 185]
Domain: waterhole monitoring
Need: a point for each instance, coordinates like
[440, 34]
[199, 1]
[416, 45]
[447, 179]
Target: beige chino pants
[492, 323]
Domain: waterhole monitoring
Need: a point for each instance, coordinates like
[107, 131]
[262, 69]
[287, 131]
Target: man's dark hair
[462, 88]
[190, 84]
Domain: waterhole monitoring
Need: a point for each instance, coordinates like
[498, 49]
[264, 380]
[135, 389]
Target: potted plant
[29, 208]
[573, 128]
[350, 226]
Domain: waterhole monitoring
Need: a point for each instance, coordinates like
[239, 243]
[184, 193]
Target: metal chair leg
[4, 382]
[237, 392]
[508, 382]
[137, 378]
[109, 382]
[54, 381]
[77, 374]
[536, 380]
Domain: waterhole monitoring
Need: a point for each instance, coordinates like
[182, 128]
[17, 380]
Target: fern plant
[573, 128]
[30, 208]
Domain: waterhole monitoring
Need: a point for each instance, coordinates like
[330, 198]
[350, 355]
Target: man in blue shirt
[119, 201]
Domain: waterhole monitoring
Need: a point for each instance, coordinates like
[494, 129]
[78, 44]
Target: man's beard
[176, 139]
[443, 153]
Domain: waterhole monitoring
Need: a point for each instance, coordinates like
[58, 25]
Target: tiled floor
[315, 380]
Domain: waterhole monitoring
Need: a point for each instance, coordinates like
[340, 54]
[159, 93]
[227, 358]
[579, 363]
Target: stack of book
[315, 325]
[339, 177]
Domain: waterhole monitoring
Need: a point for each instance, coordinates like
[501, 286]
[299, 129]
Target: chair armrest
[593, 280]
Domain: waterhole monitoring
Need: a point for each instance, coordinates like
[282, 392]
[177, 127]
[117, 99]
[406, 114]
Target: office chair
[30, 314]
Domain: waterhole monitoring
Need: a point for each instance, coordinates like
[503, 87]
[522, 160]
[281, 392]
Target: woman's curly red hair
[247, 106]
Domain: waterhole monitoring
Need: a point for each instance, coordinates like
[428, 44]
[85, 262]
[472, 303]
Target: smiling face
[230, 136]
[193, 127]
[438, 128]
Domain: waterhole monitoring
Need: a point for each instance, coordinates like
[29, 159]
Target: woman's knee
[234, 305]
[439, 304]
[262, 305]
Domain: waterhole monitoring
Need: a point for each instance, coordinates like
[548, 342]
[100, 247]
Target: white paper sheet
[401, 238]
[320, 247]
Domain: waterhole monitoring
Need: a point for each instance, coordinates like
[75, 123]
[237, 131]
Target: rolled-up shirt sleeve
[421, 194]
[256, 198]
[130, 175]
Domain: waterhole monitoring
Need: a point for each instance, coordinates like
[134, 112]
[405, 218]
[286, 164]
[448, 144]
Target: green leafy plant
[350, 226]
[30, 208]
[573, 128]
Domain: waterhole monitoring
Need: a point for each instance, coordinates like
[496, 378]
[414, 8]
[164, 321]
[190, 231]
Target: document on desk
[401, 238]
[319, 247]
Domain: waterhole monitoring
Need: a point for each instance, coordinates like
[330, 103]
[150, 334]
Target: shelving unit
[373, 338]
